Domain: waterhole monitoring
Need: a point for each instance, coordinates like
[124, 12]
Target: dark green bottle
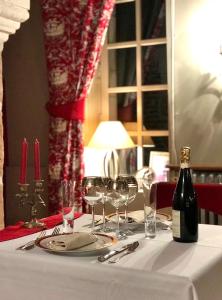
[184, 207]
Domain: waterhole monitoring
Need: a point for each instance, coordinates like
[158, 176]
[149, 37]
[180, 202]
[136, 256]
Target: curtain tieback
[68, 111]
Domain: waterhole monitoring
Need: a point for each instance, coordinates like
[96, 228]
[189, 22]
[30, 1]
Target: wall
[12, 13]
[197, 80]
[25, 93]
[1, 155]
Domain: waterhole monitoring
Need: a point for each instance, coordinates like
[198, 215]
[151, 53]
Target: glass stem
[126, 215]
[93, 218]
[117, 217]
[104, 216]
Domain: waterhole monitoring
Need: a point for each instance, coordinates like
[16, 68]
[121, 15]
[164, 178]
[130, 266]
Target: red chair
[209, 198]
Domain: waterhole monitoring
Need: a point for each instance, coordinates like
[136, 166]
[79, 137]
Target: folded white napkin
[138, 215]
[72, 241]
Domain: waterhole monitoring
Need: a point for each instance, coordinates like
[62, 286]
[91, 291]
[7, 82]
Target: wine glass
[68, 205]
[149, 192]
[133, 189]
[93, 189]
[117, 192]
[106, 182]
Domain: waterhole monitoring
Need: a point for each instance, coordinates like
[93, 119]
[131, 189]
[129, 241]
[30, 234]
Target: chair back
[209, 197]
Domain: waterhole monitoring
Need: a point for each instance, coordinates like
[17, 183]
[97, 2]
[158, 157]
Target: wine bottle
[184, 207]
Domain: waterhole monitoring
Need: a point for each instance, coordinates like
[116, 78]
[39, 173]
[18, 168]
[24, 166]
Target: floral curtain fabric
[74, 32]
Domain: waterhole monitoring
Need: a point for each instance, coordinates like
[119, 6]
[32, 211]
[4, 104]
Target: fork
[55, 231]
[29, 245]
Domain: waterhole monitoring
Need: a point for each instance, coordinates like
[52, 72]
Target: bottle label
[176, 223]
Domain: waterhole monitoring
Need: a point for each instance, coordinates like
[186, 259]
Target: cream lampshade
[111, 135]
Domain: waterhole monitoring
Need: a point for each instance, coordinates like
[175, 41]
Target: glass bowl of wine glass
[132, 192]
[117, 192]
[93, 189]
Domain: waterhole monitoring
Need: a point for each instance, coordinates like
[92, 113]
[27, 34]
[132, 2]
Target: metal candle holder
[33, 201]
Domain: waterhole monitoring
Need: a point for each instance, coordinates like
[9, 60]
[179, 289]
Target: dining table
[159, 268]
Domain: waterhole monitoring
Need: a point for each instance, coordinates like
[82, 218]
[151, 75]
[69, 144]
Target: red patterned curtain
[74, 32]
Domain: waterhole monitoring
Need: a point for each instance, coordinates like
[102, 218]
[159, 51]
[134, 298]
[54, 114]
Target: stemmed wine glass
[106, 182]
[133, 189]
[93, 189]
[68, 205]
[117, 192]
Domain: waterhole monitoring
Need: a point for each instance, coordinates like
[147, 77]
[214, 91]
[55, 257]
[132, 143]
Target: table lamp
[112, 136]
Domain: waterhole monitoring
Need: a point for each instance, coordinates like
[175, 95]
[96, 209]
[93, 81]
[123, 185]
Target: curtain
[74, 32]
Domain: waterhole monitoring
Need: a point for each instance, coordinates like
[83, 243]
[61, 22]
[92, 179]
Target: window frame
[107, 110]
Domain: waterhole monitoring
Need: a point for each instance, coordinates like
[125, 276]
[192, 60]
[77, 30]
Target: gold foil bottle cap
[185, 154]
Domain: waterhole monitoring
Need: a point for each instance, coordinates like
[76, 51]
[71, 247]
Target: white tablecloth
[159, 269]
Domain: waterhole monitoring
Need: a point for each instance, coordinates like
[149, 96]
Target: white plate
[103, 242]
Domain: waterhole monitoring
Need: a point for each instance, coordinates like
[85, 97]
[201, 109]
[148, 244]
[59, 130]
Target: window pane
[155, 110]
[121, 72]
[154, 65]
[160, 144]
[153, 19]
[124, 108]
[122, 24]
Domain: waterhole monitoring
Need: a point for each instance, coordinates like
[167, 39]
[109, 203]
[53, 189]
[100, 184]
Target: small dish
[101, 244]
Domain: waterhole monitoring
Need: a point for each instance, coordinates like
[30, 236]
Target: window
[134, 73]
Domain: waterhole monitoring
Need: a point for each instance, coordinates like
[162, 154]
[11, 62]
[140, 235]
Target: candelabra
[33, 200]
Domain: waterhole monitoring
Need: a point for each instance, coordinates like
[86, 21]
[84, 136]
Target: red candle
[37, 160]
[23, 166]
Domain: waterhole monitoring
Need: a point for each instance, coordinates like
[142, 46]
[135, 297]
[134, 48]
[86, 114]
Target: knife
[130, 250]
[103, 258]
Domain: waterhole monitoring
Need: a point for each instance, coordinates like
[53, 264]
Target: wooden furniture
[209, 198]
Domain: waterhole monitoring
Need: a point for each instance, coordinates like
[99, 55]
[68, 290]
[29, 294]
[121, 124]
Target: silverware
[129, 250]
[55, 231]
[97, 223]
[103, 258]
[29, 245]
